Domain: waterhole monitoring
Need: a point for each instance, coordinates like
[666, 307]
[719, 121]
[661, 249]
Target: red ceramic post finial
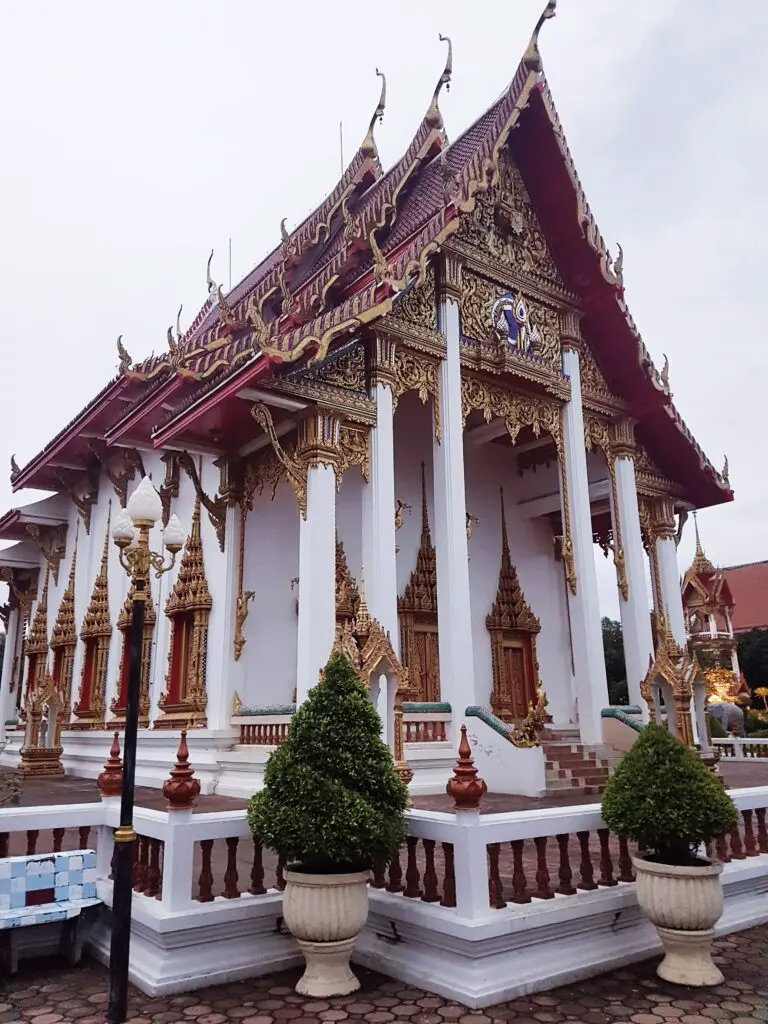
[110, 782]
[466, 788]
[181, 788]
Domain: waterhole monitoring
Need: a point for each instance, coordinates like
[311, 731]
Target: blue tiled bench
[46, 889]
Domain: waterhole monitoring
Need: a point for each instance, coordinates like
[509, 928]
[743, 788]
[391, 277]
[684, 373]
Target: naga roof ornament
[433, 116]
[368, 146]
[532, 57]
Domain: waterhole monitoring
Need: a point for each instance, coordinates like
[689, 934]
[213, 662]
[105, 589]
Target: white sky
[136, 137]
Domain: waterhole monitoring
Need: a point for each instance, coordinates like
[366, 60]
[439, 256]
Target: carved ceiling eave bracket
[416, 372]
[597, 434]
[52, 544]
[84, 503]
[295, 468]
[130, 461]
[169, 489]
[216, 507]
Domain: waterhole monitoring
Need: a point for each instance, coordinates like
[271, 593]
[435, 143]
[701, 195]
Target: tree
[753, 658]
[615, 669]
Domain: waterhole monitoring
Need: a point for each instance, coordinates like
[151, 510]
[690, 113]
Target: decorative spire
[64, 631]
[110, 782]
[347, 595]
[363, 620]
[420, 594]
[434, 118]
[532, 57]
[37, 641]
[368, 147]
[465, 787]
[181, 788]
[190, 591]
[510, 609]
[701, 564]
[97, 621]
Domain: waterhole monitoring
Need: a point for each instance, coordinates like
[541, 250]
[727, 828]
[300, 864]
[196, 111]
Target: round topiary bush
[332, 801]
[666, 799]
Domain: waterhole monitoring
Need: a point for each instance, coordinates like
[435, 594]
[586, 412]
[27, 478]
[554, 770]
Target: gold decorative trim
[244, 597]
[415, 372]
[64, 636]
[95, 634]
[450, 276]
[383, 367]
[52, 544]
[130, 462]
[84, 504]
[354, 451]
[347, 593]
[116, 707]
[597, 435]
[216, 507]
[169, 489]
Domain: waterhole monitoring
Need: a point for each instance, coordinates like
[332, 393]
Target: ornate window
[64, 641]
[188, 607]
[95, 634]
[513, 628]
[417, 611]
[120, 702]
[36, 648]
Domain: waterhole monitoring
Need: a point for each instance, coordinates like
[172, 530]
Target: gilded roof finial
[125, 360]
[15, 471]
[434, 117]
[618, 266]
[214, 292]
[724, 473]
[283, 230]
[665, 372]
[700, 561]
[532, 57]
[369, 145]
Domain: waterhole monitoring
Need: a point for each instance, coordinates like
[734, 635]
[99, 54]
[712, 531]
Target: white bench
[45, 889]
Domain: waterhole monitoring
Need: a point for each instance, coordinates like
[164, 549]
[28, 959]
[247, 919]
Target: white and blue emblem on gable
[512, 323]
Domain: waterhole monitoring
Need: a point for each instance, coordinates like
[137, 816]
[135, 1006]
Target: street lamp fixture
[131, 535]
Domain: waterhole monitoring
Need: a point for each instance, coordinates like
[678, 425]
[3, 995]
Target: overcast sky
[136, 137]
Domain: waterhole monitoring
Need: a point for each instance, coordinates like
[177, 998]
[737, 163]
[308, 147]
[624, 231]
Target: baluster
[32, 834]
[762, 835]
[606, 864]
[142, 864]
[565, 874]
[379, 880]
[449, 885]
[495, 888]
[721, 849]
[431, 893]
[205, 881]
[153, 868]
[543, 891]
[750, 846]
[135, 863]
[626, 872]
[83, 834]
[519, 883]
[4, 836]
[231, 891]
[412, 890]
[737, 849]
[58, 839]
[160, 866]
[587, 880]
[395, 883]
[257, 870]
[279, 873]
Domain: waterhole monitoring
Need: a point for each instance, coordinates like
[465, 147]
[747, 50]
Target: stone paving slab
[48, 993]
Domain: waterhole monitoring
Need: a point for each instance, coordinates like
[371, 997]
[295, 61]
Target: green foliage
[752, 723]
[716, 729]
[615, 669]
[666, 799]
[752, 651]
[332, 801]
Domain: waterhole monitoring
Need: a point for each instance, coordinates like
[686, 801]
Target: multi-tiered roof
[352, 261]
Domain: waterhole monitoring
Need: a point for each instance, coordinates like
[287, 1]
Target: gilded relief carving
[594, 387]
[478, 296]
[419, 304]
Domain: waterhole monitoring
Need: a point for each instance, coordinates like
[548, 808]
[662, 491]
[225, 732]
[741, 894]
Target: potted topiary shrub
[664, 798]
[333, 804]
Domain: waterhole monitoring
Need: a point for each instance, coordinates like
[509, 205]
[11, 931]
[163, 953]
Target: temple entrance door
[518, 680]
[424, 665]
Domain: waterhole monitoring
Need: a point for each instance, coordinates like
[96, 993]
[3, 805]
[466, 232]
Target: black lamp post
[131, 535]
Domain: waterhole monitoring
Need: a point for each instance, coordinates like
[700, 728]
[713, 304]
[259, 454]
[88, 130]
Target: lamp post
[131, 535]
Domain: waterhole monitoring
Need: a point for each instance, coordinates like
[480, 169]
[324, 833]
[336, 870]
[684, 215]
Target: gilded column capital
[231, 480]
[663, 519]
[570, 330]
[382, 361]
[450, 276]
[623, 439]
[319, 438]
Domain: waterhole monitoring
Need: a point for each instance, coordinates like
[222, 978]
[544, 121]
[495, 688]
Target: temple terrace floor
[48, 993]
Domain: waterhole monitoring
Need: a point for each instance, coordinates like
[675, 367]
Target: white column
[457, 674]
[586, 631]
[379, 563]
[8, 699]
[669, 574]
[635, 610]
[317, 579]
[224, 674]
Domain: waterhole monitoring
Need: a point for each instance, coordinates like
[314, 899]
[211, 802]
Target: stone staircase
[572, 767]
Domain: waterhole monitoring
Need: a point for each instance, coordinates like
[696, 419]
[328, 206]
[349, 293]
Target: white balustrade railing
[740, 748]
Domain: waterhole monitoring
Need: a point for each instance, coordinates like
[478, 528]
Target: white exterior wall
[489, 467]
[271, 629]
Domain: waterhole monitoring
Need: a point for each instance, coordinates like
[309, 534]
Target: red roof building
[748, 584]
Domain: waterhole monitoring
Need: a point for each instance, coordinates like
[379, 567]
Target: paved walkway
[50, 994]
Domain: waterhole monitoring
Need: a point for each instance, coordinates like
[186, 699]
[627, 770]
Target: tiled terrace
[48, 993]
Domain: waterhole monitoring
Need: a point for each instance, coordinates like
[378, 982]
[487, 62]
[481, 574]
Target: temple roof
[749, 588]
[351, 260]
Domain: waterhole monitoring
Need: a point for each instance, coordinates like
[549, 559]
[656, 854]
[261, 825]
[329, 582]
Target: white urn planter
[684, 904]
[325, 914]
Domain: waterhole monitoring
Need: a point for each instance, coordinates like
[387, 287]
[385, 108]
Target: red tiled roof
[749, 587]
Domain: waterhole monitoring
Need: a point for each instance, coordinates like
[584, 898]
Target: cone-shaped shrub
[666, 799]
[332, 801]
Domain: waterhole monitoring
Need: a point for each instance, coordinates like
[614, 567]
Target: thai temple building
[403, 432]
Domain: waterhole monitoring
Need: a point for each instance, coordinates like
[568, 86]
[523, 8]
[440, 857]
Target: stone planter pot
[684, 904]
[325, 914]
